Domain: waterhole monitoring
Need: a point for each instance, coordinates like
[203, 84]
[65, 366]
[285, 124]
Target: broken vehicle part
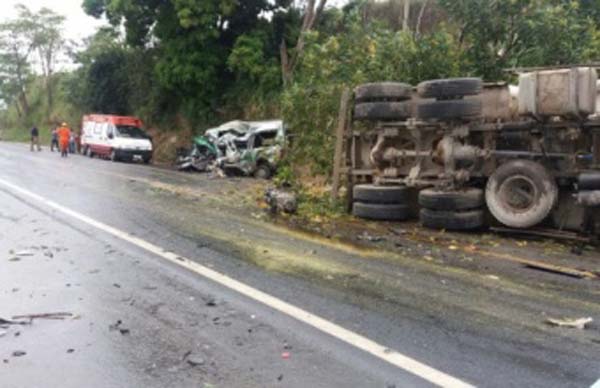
[200, 157]
[281, 201]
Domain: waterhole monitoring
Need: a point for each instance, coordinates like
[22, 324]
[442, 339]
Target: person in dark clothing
[35, 139]
[54, 140]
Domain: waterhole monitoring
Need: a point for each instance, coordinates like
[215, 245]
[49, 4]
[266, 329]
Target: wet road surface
[180, 329]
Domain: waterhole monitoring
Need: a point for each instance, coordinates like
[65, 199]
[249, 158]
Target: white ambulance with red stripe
[116, 138]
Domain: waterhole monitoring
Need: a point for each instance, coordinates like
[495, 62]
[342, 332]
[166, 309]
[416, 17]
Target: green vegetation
[185, 65]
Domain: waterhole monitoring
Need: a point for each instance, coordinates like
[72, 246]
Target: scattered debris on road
[367, 237]
[6, 322]
[31, 317]
[117, 326]
[19, 353]
[211, 303]
[579, 323]
[195, 360]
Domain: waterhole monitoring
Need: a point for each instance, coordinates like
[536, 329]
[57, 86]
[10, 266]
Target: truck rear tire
[449, 109]
[381, 212]
[380, 194]
[450, 88]
[452, 220]
[390, 91]
[382, 111]
[467, 199]
[521, 193]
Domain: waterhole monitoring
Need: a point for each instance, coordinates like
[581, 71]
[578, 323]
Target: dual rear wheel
[384, 203]
[452, 210]
[519, 194]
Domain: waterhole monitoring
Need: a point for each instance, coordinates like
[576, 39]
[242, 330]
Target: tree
[17, 43]
[500, 34]
[192, 40]
[49, 44]
[312, 12]
[20, 39]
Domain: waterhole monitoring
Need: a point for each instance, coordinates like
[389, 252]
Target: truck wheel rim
[519, 193]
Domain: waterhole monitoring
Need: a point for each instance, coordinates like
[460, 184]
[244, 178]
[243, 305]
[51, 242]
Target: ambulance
[118, 138]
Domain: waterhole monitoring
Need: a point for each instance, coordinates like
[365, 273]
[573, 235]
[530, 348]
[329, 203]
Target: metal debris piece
[579, 323]
[281, 201]
[6, 322]
[31, 317]
[194, 360]
[367, 237]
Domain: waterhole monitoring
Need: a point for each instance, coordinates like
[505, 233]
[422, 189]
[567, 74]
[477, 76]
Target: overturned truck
[473, 154]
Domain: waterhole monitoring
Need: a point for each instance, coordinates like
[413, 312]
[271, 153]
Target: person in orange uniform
[64, 134]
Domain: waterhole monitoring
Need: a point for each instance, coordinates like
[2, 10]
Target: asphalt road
[136, 318]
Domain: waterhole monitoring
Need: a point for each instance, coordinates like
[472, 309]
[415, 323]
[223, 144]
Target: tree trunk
[288, 65]
[24, 103]
[406, 15]
[285, 63]
[18, 107]
[420, 18]
[49, 94]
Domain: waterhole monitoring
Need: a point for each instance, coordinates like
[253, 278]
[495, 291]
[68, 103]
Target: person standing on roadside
[35, 139]
[54, 142]
[72, 143]
[64, 135]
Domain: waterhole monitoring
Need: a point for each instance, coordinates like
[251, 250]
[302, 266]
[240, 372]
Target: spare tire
[383, 91]
[381, 212]
[449, 220]
[470, 198]
[382, 111]
[380, 194]
[450, 88]
[521, 193]
[449, 109]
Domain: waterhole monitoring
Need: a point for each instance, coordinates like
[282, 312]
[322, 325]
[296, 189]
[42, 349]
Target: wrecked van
[249, 148]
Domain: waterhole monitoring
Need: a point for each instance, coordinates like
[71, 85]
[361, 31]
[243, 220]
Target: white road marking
[393, 357]
[596, 384]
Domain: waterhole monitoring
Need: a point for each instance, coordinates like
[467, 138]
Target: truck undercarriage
[478, 155]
